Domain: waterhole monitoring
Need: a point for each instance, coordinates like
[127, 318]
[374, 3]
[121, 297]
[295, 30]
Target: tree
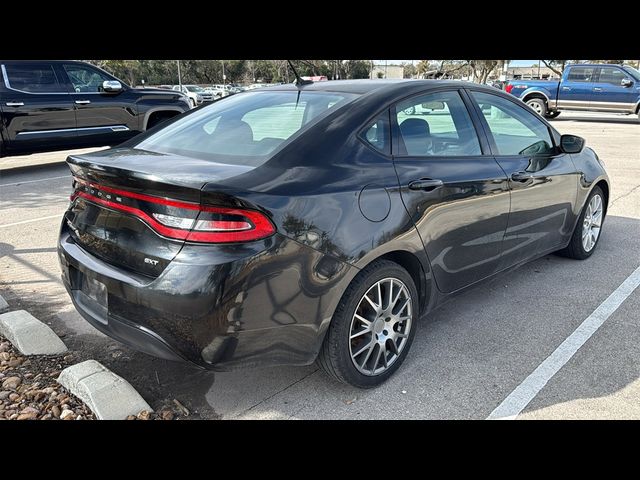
[422, 67]
[481, 69]
[408, 70]
[556, 66]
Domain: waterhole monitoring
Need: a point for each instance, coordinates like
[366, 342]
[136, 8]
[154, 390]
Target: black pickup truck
[54, 105]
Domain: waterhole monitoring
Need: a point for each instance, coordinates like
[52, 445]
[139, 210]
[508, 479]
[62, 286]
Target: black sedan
[319, 222]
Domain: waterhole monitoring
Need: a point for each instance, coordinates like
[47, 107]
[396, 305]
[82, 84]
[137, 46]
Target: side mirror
[571, 143]
[625, 82]
[111, 86]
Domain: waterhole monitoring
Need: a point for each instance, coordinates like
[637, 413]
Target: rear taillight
[508, 88]
[181, 220]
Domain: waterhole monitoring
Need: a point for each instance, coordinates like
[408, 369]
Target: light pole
[179, 76]
[224, 77]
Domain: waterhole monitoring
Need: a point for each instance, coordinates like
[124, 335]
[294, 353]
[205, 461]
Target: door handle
[597, 89]
[522, 176]
[426, 184]
[83, 102]
[566, 88]
[14, 104]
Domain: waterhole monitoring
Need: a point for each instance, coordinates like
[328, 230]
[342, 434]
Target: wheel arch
[604, 186]
[164, 108]
[412, 264]
[535, 94]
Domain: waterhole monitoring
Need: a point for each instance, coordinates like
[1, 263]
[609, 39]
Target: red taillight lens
[508, 88]
[182, 220]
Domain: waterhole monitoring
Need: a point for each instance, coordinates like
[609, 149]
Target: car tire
[348, 335]
[193, 103]
[552, 114]
[538, 105]
[577, 248]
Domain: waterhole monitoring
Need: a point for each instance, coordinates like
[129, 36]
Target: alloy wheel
[592, 223]
[380, 326]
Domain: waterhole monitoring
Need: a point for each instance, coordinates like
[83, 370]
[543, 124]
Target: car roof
[367, 86]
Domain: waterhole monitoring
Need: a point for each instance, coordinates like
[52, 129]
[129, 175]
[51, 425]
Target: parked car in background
[291, 224]
[590, 87]
[197, 95]
[54, 105]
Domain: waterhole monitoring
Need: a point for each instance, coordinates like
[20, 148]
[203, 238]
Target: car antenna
[299, 81]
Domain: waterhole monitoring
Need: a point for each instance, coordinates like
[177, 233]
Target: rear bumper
[265, 303]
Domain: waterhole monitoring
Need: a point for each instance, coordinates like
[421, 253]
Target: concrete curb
[3, 304]
[29, 335]
[109, 396]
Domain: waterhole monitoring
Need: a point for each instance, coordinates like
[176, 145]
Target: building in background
[381, 70]
[533, 72]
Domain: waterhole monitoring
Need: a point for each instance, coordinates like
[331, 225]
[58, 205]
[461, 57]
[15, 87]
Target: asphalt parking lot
[467, 357]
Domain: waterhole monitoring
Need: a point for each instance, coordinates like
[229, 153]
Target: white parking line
[33, 181]
[531, 386]
[29, 221]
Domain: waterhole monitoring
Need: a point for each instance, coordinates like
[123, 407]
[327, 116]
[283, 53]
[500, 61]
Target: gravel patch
[29, 390]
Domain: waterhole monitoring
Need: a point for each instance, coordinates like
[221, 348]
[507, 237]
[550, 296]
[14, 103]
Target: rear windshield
[246, 128]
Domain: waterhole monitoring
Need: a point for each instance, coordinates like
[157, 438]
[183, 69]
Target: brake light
[508, 88]
[182, 220]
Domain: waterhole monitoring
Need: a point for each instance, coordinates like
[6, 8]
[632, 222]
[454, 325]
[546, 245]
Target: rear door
[615, 90]
[451, 186]
[577, 89]
[101, 116]
[37, 108]
[543, 181]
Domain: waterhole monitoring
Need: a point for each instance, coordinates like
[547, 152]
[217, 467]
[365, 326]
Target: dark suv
[51, 105]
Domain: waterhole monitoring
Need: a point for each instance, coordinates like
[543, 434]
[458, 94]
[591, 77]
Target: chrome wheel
[380, 326]
[536, 106]
[592, 223]
[410, 110]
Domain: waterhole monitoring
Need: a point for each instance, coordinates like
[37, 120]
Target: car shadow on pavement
[56, 192]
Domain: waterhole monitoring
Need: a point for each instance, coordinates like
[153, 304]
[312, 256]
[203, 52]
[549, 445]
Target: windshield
[632, 71]
[244, 129]
[194, 88]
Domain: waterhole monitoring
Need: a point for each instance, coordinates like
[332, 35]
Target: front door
[457, 196]
[543, 181]
[36, 106]
[614, 91]
[576, 90]
[108, 117]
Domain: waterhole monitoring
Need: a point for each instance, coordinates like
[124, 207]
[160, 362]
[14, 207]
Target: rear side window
[580, 74]
[376, 133]
[244, 129]
[33, 78]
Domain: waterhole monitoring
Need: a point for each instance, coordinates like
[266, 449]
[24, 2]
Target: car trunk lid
[134, 209]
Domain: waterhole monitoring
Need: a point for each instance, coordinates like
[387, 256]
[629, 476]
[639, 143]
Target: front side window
[84, 78]
[436, 124]
[580, 74]
[33, 78]
[244, 129]
[611, 75]
[515, 130]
